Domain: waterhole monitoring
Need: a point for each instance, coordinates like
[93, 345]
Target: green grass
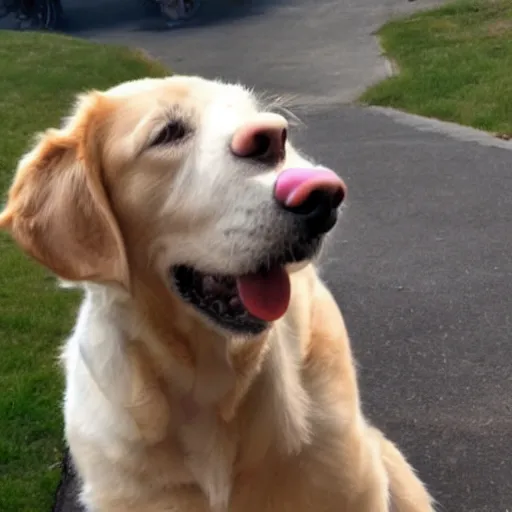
[455, 64]
[40, 74]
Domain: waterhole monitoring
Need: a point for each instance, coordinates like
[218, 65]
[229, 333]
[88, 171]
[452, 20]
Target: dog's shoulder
[100, 366]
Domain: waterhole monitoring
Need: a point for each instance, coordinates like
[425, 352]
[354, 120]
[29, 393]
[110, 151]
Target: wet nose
[313, 195]
[262, 139]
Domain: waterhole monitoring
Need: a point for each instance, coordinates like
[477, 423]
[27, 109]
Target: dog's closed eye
[172, 132]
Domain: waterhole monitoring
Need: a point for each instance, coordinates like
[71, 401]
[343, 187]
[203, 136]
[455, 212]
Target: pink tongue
[265, 295]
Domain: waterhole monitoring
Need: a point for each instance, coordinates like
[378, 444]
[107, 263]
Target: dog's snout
[313, 195]
[262, 139]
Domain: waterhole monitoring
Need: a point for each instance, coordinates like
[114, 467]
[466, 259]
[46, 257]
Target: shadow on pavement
[82, 16]
[66, 495]
[144, 15]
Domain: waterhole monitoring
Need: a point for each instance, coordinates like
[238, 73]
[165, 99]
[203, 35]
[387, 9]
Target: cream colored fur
[164, 411]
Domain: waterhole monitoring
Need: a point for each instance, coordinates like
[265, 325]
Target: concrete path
[421, 264]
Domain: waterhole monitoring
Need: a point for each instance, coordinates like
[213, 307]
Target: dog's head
[186, 178]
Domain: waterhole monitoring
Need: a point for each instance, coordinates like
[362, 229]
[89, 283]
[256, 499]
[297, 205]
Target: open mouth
[243, 304]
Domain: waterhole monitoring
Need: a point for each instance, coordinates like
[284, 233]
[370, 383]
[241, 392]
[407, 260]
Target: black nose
[319, 212]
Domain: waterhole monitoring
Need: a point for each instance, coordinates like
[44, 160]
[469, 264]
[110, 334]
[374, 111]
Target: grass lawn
[40, 73]
[455, 64]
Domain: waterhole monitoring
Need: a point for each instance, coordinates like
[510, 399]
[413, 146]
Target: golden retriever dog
[209, 369]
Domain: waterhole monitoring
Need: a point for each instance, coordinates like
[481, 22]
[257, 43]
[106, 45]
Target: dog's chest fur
[209, 451]
[171, 432]
[215, 451]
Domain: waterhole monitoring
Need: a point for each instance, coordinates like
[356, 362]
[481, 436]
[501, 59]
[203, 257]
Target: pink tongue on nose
[265, 295]
[293, 186]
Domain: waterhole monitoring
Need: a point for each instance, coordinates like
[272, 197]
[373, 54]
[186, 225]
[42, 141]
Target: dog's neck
[210, 368]
[155, 356]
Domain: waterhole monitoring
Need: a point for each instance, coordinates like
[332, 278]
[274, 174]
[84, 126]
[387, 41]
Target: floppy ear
[57, 208]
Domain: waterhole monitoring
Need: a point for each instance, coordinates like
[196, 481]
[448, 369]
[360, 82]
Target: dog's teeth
[213, 287]
[235, 304]
[219, 307]
[209, 285]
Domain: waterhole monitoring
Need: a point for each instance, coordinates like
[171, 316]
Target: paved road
[421, 264]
